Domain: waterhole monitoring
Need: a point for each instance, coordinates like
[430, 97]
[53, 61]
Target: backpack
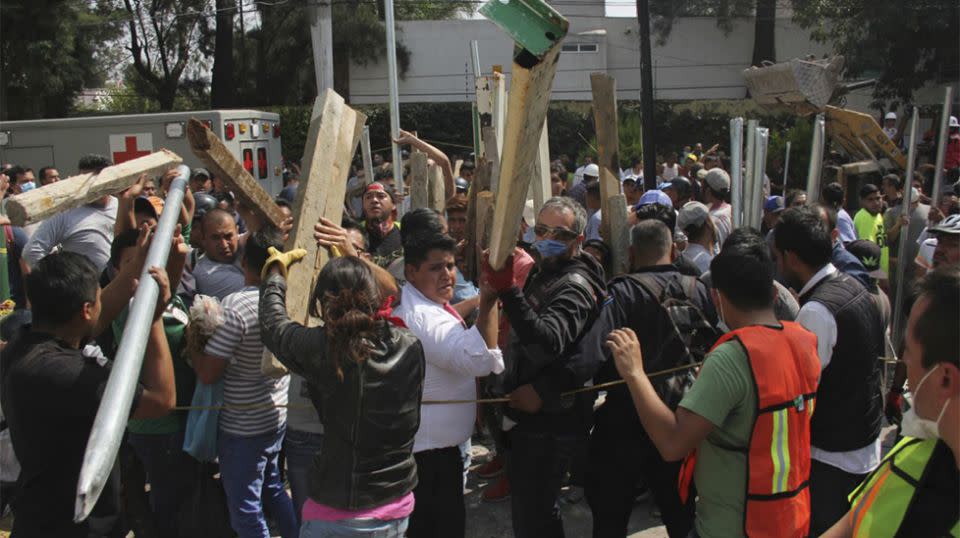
[689, 337]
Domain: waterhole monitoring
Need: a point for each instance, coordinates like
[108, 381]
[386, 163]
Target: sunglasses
[560, 234]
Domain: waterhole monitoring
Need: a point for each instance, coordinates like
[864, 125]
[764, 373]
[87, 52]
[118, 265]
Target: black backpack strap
[652, 285]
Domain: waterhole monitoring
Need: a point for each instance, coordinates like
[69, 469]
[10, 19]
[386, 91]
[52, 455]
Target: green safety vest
[881, 503]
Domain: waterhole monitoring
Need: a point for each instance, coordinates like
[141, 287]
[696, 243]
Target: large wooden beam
[418, 181]
[540, 188]
[619, 241]
[332, 140]
[481, 183]
[529, 98]
[75, 191]
[492, 155]
[491, 98]
[436, 189]
[223, 164]
[605, 121]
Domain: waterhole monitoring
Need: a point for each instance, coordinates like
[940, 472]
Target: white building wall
[698, 61]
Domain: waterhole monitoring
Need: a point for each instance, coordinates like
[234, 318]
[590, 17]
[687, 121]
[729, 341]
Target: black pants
[538, 464]
[829, 488]
[439, 510]
[616, 465]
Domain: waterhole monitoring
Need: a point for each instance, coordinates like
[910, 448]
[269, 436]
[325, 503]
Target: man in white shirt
[847, 322]
[695, 221]
[716, 192]
[455, 357]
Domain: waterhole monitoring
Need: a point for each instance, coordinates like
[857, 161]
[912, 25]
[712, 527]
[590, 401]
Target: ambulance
[252, 136]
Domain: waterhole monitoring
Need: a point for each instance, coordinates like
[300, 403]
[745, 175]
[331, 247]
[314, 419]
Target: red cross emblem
[130, 150]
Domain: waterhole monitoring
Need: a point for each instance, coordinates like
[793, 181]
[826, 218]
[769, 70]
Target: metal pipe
[748, 178]
[759, 164]
[902, 263]
[816, 159]
[941, 147]
[736, 172]
[394, 94]
[114, 411]
[786, 168]
[366, 154]
[475, 57]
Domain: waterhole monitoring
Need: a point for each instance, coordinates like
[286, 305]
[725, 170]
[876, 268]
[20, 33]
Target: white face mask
[913, 425]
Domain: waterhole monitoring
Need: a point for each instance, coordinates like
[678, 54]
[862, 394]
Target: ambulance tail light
[262, 171]
[276, 130]
[229, 131]
[248, 160]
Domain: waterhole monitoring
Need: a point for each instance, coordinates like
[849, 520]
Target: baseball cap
[654, 197]
[954, 122]
[692, 214]
[200, 172]
[148, 204]
[869, 254]
[774, 204]
[591, 170]
[718, 180]
[680, 184]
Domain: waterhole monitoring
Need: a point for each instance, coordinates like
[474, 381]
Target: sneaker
[499, 491]
[491, 469]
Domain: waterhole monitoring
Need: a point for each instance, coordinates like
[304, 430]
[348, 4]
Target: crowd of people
[736, 376]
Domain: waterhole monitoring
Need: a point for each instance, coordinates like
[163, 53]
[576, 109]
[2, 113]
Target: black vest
[849, 404]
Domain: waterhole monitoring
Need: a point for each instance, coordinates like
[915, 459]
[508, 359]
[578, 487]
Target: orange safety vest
[785, 371]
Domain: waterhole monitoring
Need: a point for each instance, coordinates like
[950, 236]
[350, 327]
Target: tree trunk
[764, 42]
[341, 72]
[222, 87]
[167, 94]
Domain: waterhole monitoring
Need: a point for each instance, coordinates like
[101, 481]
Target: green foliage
[903, 44]
[49, 52]
[800, 136]
[665, 12]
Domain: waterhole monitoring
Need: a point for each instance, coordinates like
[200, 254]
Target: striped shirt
[237, 341]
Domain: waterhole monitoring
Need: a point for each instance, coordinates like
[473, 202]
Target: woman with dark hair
[364, 371]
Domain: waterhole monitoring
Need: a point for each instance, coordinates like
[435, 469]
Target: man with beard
[547, 318]
[379, 212]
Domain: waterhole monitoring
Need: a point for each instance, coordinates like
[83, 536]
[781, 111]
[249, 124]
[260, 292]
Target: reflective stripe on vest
[880, 504]
[785, 371]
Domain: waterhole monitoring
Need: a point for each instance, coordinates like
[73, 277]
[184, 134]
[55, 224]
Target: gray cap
[200, 172]
[692, 214]
[718, 180]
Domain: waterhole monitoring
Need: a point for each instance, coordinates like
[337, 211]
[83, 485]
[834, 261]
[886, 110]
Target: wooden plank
[491, 97]
[608, 159]
[492, 155]
[481, 182]
[331, 143]
[540, 188]
[436, 190]
[485, 201]
[418, 182]
[223, 164]
[75, 191]
[529, 98]
[616, 214]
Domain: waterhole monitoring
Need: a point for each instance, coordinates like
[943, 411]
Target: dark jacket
[630, 304]
[849, 264]
[547, 320]
[369, 418]
[849, 403]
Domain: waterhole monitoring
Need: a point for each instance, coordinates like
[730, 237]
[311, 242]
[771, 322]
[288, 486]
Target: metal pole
[759, 164]
[736, 172]
[475, 57]
[646, 98]
[748, 179]
[321, 38]
[366, 154]
[816, 159]
[786, 168]
[114, 411]
[394, 97]
[941, 147]
[902, 263]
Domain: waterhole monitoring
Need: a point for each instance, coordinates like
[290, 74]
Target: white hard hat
[591, 170]
[954, 122]
[890, 116]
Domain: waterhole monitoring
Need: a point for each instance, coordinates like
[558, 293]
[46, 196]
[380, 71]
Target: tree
[222, 86]
[49, 52]
[162, 36]
[904, 44]
[764, 13]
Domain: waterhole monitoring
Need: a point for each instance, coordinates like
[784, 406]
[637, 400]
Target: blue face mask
[549, 248]
[28, 186]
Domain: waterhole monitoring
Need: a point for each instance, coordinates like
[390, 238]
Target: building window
[580, 47]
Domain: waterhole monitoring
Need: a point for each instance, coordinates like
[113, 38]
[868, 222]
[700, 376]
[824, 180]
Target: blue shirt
[463, 289]
[849, 264]
[845, 226]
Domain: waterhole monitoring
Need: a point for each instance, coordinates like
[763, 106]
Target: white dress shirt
[816, 318]
[455, 357]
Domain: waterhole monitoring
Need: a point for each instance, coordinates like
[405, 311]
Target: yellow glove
[285, 259]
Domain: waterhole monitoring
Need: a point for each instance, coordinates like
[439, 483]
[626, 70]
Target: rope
[429, 402]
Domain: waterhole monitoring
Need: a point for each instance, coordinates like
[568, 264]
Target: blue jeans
[251, 480]
[301, 448]
[170, 471]
[368, 528]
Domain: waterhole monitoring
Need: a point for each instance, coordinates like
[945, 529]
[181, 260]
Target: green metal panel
[475, 116]
[533, 24]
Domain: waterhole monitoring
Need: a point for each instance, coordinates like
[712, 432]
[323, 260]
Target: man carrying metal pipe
[53, 383]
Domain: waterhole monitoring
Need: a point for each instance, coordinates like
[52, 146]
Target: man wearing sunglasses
[547, 318]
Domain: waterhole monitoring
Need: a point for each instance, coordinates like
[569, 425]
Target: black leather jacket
[369, 418]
